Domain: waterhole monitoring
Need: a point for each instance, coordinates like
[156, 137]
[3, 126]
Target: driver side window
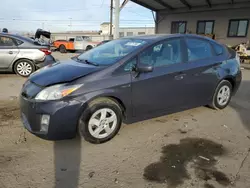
[162, 54]
[130, 65]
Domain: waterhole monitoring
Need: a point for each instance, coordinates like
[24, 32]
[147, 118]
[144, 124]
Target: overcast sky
[56, 15]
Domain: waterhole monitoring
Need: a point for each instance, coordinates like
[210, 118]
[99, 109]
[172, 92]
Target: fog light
[45, 123]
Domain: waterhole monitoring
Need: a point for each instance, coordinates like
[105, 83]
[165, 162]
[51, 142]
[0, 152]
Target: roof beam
[209, 3]
[161, 2]
[144, 5]
[184, 2]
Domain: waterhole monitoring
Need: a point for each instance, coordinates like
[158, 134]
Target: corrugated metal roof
[177, 4]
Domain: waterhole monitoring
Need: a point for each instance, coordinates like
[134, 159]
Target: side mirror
[144, 68]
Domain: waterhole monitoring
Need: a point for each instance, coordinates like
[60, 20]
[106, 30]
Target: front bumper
[49, 59]
[63, 114]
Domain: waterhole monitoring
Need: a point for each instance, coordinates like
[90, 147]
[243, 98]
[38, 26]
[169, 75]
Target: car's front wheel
[89, 48]
[100, 121]
[24, 67]
[222, 95]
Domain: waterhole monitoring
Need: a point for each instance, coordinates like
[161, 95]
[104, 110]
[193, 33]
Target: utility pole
[117, 18]
[111, 19]
[70, 24]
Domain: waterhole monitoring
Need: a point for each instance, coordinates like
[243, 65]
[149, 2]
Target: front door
[8, 51]
[163, 88]
[78, 44]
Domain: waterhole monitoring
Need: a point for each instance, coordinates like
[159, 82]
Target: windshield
[111, 52]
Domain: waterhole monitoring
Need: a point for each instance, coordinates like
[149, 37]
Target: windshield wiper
[91, 63]
[87, 62]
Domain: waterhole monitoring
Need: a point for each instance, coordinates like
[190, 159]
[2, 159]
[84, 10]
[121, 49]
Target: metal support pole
[111, 19]
[117, 18]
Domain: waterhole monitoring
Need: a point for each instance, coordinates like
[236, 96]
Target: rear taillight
[46, 51]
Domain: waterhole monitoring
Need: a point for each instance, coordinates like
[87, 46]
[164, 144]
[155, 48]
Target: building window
[179, 27]
[141, 33]
[129, 33]
[121, 34]
[205, 27]
[238, 28]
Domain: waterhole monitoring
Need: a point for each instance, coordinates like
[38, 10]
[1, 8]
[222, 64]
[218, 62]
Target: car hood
[62, 71]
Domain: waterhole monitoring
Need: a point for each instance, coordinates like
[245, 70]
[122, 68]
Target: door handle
[179, 77]
[10, 52]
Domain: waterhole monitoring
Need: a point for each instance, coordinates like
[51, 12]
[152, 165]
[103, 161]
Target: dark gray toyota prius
[128, 80]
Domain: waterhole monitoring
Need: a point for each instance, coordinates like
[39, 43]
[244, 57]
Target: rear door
[8, 51]
[202, 64]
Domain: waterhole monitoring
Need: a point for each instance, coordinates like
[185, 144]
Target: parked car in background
[22, 55]
[128, 80]
[44, 38]
[75, 43]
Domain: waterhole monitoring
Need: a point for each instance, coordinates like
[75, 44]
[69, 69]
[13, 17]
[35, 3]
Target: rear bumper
[63, 121]
[238, 79]
[49, 59]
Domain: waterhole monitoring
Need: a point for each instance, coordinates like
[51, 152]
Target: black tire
[62, 49]
[89, 48]
[28, 63]
[93, 107]
[215, 103]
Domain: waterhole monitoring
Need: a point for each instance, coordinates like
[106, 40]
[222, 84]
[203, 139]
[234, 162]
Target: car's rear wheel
[62, 49]
[100, 121]
[222, 95]
[24, 67]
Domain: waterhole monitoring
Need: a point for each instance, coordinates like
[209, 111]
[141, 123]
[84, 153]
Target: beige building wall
[105, 28]
[133, 31]
[221, 18]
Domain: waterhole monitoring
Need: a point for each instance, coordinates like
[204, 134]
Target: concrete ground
[195, 148]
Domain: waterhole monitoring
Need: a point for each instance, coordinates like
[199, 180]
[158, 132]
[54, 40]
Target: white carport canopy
[175, 5]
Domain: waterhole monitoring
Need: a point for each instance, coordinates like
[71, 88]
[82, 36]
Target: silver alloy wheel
[24, 68]
[102, 123]
[223, 95]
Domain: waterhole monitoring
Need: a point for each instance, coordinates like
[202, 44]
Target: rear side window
[198, 49]
[217, 48]
[18, 42]
[6, 41]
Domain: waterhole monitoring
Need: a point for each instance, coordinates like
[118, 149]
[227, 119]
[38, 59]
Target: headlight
[56, 92]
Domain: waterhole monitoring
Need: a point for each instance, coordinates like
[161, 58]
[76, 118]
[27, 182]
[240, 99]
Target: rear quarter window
[217, 48]
[18, 42]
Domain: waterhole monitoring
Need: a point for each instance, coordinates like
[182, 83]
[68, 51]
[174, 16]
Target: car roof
[17, 37]
[159, 37]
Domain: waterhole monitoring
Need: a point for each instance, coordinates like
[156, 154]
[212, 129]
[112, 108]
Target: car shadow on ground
[241, 103]
[67, 161]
